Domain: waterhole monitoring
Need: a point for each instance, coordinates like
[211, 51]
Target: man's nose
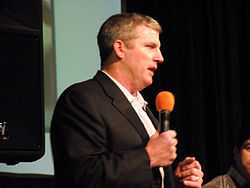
[159, 57]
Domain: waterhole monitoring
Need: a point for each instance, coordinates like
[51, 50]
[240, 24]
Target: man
[102, 132]
[238, 175]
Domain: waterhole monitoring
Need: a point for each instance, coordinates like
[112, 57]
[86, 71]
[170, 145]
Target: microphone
[165, 104]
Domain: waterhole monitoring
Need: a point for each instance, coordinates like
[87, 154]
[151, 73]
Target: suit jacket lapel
[122, 104]
[152, 118]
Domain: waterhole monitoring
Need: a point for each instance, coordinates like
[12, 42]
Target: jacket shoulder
[222, 181]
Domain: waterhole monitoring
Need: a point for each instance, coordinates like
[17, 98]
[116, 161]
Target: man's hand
[161, 148]
[189, 173]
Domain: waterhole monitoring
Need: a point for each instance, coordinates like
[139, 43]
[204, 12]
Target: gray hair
[122, 26]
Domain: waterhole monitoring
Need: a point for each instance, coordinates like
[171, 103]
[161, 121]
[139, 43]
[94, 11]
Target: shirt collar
[128, 95]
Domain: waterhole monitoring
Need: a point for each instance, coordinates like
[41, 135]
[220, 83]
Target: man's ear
[119, 48]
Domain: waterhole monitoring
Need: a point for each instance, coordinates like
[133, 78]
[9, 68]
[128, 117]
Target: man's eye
[151, 46]
[247, 147]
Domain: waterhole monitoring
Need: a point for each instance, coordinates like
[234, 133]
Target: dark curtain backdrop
[206, 49]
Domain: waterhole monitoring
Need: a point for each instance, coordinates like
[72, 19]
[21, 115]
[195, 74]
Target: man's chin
[146, 84]
[149, 82]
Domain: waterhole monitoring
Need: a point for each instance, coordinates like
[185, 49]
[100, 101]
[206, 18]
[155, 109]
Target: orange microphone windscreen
[164, 101]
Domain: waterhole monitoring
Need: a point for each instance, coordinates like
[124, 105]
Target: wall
[74, 58]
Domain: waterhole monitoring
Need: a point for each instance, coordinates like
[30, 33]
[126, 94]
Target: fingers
[193, 183]
[161, 148]
[189, 172]
[189, 163]
[169, 133]
[169, 138]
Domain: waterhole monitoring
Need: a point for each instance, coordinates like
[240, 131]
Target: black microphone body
[164, 121]
[164, 125]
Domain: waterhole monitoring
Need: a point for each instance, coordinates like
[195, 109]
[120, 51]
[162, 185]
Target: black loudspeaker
[21, 81]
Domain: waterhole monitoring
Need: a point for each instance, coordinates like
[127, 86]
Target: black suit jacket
[98, 140]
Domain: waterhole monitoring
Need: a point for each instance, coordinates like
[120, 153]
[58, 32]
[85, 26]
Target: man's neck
[122, 79]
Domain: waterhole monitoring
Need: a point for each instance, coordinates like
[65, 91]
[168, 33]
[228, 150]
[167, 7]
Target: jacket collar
[121, 103]
[239, 178]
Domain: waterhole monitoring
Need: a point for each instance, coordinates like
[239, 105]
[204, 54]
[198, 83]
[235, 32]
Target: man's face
[245, 155]
[142, 57]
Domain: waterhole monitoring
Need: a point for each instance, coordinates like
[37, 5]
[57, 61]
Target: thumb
[155, 135]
